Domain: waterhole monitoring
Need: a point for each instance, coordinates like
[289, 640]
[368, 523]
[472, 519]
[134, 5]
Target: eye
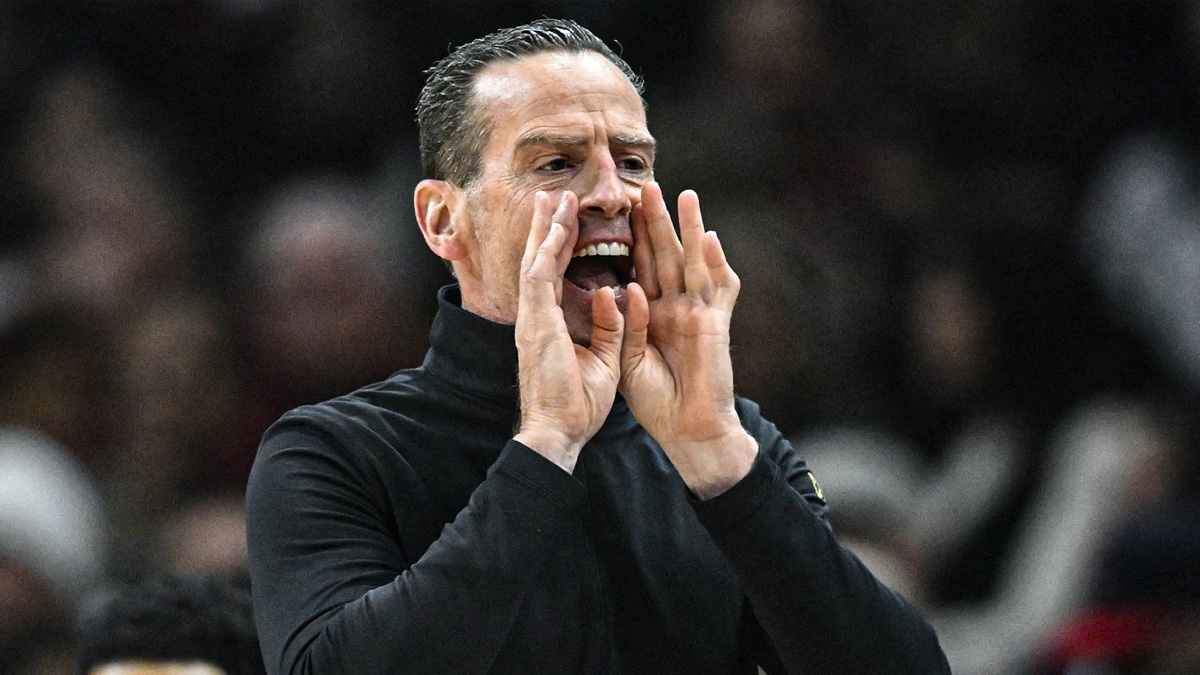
[554, 165]
[632, 163]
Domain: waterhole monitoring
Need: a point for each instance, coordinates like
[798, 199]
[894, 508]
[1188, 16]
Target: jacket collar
[471, 353]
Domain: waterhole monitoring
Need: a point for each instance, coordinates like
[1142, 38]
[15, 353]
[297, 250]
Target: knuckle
[532, 275]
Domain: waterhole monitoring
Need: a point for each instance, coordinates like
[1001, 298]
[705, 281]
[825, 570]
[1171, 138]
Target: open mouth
[601, 264]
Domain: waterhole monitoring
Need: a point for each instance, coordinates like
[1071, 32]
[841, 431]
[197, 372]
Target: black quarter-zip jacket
[399, 530]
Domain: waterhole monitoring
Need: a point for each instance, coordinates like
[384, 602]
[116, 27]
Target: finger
[691, 230]
[541, 283]
[637, 325]
[726, 283]
[607, 329]
[643, 254]
[567, 215]
[539, 227]
[668, 252]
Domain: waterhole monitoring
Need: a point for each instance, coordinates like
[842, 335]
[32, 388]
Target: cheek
[501, 236]
[502, 214]
[516, 218]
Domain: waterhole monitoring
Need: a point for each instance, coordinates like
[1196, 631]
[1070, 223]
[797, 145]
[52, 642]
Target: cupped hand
[567, 390]
[676, 372]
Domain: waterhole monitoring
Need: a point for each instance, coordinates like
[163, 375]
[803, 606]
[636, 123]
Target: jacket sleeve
[820, 608]
[329, 577]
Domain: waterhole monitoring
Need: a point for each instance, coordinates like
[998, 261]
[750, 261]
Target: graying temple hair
[453, 133]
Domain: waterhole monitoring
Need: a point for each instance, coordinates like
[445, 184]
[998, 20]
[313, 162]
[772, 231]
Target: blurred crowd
[968, 236]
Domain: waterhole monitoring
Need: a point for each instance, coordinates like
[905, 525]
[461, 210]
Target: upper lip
[603, 232]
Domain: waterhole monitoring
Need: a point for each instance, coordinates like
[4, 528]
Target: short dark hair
[453, 134]
[174, 619]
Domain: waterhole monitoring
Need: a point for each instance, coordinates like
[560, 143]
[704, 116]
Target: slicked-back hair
[454, 133]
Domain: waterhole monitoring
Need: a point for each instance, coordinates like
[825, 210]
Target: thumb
[608, 328]
[637, 323]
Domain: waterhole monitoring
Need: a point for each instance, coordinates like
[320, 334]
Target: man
[641, 519]
[172, 626]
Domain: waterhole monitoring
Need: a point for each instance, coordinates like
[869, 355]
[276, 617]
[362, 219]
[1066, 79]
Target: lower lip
[582, 298]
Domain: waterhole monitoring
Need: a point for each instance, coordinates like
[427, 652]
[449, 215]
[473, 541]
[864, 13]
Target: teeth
[604, 248]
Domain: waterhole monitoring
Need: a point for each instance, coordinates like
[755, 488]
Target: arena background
[968, 233]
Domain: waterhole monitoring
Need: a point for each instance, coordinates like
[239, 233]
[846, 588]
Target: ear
[436, 204]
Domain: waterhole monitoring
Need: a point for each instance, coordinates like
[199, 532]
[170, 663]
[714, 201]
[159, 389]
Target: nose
[602, 193]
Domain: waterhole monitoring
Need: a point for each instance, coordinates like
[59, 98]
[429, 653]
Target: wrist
[550, 443]
[711, 467]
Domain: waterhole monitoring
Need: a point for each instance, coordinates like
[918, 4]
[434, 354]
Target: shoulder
[351, 433]
[364, 411]
[351, 446]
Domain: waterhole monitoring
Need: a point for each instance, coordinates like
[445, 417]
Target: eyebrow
[643, 142]
[646, 143]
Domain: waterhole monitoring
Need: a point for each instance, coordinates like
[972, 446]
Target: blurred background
[968, 234]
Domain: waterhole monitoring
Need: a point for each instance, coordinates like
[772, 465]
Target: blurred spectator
[327, 292]
[791, 332]
[177, 391]
[55, 378]
[765, 105]
[173, 626]
[1012, 506]
[762, 133]
[956, 408]
[51, 546]
[1139, 236]
[117, 231]
[1141, 230]
[206, 537]
[1086, 490]
[1143, 600]
[1106, 466]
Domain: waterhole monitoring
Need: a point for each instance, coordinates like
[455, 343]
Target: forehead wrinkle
[504, 90]
[551, 80]
[558, 101]
[569, 69]
[565, 128]
[570, 112]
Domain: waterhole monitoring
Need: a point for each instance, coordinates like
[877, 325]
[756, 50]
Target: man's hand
[566, 390]
[675, 368]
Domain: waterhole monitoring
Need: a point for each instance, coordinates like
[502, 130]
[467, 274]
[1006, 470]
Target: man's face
[559, 121]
